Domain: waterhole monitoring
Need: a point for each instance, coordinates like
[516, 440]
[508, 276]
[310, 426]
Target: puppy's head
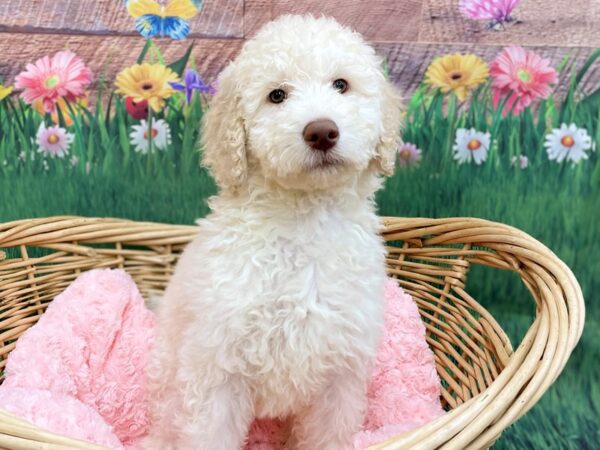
[306, 104]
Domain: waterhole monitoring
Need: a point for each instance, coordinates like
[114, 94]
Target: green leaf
[179, 66]
[12, 107]
[386, 69]
[156, 54]
[99, 95]
[109, 106]
[147, 46]
[593, 57]
[79, 134]
[122, 131]
[564, 63]
[569, 106]
[541, 123]
[592, 100]
[61, 117]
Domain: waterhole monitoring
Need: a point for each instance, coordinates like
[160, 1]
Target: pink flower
[48, 79]
[409, 155]
[53, 141]
[522, 161]
[522, 76]
[498, 11]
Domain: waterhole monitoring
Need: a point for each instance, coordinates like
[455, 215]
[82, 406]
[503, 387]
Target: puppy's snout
[321, 134]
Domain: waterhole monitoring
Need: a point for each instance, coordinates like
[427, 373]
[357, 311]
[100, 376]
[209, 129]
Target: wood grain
[593, 22]
[540, 22]
[218, 18]
[109, 55]
[563, 22]
[377, 20]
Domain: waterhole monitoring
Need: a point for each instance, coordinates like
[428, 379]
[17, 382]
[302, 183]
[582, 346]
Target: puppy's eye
[340, 85]
[277, 96]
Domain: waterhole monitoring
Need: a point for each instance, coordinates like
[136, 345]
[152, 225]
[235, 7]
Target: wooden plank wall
[408, 32]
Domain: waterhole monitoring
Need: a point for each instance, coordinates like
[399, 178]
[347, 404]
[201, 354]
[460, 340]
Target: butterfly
[153, 19]
[497, 12]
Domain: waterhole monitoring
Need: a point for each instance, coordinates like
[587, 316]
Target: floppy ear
[387, 147]
[224, 135]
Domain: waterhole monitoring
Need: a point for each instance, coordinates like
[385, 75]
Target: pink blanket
[80, 370]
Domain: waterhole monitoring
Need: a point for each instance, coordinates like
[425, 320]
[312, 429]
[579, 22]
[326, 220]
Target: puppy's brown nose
[321, 134]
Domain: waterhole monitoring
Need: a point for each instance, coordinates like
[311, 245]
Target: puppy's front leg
[218, 419]
[334, 416]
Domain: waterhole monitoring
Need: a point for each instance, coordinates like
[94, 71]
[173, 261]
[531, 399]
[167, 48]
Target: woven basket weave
[486, 385]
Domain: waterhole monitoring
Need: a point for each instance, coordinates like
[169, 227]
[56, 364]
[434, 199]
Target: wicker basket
[486, 386]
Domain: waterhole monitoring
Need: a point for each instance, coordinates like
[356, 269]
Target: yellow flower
[457, 73]
[147, 82]
[5, 91]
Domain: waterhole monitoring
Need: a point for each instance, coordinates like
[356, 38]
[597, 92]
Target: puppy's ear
[387, 147]
[224, 135]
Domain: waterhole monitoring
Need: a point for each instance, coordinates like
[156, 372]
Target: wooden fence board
[377, 20]
[540, 22]
[218, 18]
[560, 22]
[407, 61]
[593, 23]
[109, 55]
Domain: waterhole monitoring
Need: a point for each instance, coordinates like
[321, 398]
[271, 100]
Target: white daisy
[521, 160]
[568, 143]
[161, 135]
[471, 145]
[409, 155]
[53, 141]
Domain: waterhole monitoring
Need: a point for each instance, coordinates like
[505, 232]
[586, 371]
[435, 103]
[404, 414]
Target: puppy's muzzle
[321, 134]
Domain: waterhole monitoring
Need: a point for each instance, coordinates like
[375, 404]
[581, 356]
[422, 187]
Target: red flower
[137, 110]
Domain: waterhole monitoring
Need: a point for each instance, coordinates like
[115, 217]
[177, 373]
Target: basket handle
[543, 352]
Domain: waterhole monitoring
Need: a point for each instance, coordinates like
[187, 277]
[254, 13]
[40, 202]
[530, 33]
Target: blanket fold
[80, 371]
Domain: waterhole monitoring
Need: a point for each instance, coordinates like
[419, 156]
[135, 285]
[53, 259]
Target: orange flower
[61, 103]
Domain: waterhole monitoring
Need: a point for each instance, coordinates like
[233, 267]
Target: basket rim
[477, 423]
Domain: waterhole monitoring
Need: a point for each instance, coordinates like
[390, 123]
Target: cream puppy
[275, 309]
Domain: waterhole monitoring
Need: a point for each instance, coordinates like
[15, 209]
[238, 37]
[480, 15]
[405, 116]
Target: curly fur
[275, 309]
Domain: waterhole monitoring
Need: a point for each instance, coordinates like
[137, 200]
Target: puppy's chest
[319, 268]
[318, 294]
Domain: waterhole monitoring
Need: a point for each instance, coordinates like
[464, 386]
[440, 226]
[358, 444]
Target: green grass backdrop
[558, 204]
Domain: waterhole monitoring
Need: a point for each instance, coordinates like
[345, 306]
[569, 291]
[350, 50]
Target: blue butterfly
[153, 19]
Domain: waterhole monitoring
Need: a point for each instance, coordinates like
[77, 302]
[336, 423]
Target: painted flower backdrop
[484, 109]
[495, 137]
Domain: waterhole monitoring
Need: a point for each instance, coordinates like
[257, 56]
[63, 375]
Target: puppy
[275, 309]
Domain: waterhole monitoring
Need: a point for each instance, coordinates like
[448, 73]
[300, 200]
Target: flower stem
[150, 143]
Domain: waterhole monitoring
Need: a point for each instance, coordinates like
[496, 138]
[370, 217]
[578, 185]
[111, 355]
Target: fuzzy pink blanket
[80, 370]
